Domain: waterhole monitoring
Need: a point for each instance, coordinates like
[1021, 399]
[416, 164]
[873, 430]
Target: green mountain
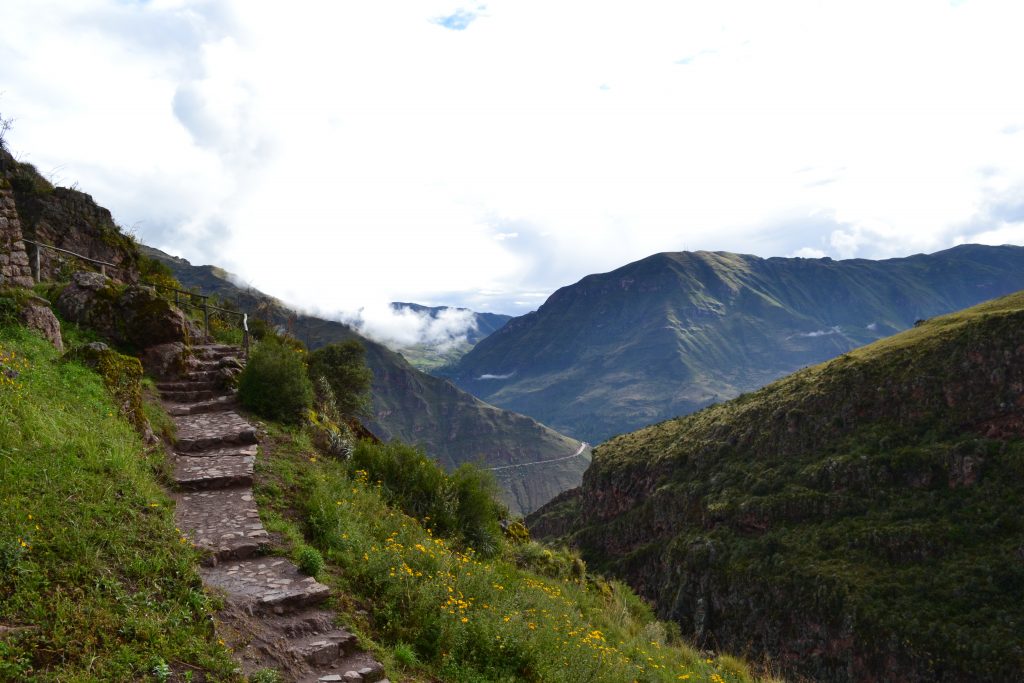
[675, 332]
[431, 356]
[859, 520]
[452, 426]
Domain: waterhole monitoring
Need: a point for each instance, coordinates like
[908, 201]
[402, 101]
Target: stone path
[272, 615]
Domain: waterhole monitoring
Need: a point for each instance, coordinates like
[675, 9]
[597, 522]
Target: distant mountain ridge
[674, 332]
[452, 425]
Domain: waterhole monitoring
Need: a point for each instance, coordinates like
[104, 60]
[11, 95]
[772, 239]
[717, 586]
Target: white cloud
[405, 327]
[342, 156]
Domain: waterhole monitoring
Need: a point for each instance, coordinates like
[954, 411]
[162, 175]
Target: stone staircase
[273, 616]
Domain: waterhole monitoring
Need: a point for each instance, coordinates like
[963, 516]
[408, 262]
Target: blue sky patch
[458, 21]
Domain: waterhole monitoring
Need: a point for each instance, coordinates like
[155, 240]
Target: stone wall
[14, 264]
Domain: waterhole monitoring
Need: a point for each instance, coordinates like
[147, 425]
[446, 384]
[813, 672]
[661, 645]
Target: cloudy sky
[345, 154]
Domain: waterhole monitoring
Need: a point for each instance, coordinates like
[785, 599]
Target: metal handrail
[39, 274]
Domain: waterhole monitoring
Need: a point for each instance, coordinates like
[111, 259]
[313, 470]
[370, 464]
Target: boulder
[133, 315]
[166, 361]
[149, 319]
[36, 315]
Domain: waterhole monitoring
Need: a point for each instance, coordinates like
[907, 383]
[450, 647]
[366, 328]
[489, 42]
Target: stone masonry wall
[14, 264]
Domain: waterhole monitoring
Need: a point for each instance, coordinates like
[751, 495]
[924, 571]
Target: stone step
[191, 395]
[211, 405]
[322, 649]
[359, 668]
[242, 450]
[212, 430]
[189, 385]
[222, 522]
[204, 471]
[201, 375]
[267, 584]
[215, 352]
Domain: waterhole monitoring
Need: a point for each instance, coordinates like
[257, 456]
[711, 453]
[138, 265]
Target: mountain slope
[857, 520]
[452, 426]
[675, 332]
[430, 356]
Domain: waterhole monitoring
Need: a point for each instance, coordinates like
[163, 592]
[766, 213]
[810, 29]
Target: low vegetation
[95, 581]
[442, 604]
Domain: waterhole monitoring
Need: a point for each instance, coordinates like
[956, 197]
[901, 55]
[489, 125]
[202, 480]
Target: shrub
[310, 560]
[274, 383]
[461, 505]
[343, 367]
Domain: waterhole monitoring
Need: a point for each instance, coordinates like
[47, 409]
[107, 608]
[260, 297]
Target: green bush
[274, 383]
[343, 367]
[310, 560]
[461, 505]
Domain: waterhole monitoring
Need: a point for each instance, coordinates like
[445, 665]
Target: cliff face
[858, 520]
[674, 332]
[63, 218]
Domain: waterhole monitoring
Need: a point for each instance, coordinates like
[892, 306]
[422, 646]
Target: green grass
[438, 610]
[93, 573]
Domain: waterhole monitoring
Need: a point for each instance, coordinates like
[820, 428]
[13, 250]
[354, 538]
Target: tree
[343, 367]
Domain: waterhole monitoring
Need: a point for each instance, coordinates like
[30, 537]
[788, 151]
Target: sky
[341, 155]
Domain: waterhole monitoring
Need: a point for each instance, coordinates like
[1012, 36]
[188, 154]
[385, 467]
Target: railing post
[35, 263]
[206, 317]
[245, 334]
[103, 270]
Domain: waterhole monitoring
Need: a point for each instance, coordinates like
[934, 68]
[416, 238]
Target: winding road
[579, 451]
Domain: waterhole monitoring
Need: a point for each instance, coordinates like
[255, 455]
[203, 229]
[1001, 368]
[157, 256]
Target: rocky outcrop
[14, 265]
[59, 217]
[131, 315]
[36, 315]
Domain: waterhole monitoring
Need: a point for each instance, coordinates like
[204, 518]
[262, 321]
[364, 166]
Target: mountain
[464, 335]
[675, 332]
[859, 520]
[452, 426]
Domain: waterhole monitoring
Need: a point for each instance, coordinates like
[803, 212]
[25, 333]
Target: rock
[352, 676]
[133, 315]
[372, 673]
[38, 316]
[150, 320]
[166, 361]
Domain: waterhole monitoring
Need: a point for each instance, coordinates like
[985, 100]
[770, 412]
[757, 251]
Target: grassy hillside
[857, 520]
[675, 332]
[453, 426]
[95, 581]
[436, 609]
